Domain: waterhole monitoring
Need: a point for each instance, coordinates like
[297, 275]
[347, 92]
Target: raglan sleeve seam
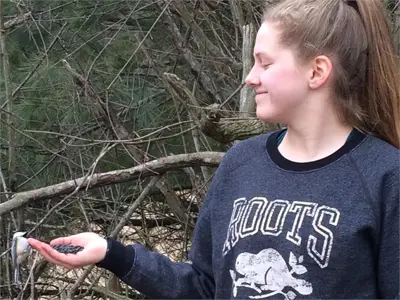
[133, 263]
[368, 191]
[386, 202]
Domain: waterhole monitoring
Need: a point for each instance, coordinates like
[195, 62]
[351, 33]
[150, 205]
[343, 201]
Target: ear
[321, 69]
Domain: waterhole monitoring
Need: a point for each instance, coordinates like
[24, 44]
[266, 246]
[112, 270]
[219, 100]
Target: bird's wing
[14, 252]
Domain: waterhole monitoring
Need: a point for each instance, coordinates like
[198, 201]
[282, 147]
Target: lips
[259, 97]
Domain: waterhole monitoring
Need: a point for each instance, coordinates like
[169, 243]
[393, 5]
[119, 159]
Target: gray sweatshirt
[271, 228]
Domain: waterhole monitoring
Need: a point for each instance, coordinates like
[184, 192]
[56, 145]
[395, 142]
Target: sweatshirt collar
[355, 138]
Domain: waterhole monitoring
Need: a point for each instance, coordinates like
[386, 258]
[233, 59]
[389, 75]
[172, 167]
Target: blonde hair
[356, 36]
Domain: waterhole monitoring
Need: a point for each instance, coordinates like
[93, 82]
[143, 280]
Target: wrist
[106, 247]
[118, 258]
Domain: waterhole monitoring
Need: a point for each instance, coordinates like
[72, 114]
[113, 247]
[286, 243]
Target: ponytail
[382, 92]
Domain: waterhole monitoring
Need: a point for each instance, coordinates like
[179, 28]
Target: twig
[180, 43]
[77, 189]
[111, 120]
[124, 141]
[115, 232]
[138, 47]
[18, 20]
[40, 61]
[109, 117]
[111, 40]
[198, 34]
[30, 276]
[232, 95]
[41, 144]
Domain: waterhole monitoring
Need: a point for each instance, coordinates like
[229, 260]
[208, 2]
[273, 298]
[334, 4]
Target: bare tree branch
[111, 121]
[227, 130]
[18, 20]
[141, 222]
[211, 123]
[205, 80]
[184, 95]
[108, 116]
[171, 81]
[40, 61]
[152, 168]
[201, 39]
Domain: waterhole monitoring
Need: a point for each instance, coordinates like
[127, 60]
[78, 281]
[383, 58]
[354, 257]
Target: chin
[268, 117]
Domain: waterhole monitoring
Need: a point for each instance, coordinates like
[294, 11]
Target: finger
[49, 258]
[56, 262]
[76, 239]
[68, 261]
[35, 244]
[66, 240]
[71, 260]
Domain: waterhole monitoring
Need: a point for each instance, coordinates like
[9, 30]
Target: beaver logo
[268, 274]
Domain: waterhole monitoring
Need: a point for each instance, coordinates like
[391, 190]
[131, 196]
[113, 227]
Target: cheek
[283, 81]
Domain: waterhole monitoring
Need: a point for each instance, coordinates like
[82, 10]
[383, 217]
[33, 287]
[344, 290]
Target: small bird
[20, 250]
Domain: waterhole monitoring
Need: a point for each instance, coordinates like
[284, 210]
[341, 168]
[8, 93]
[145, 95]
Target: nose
[252, 79]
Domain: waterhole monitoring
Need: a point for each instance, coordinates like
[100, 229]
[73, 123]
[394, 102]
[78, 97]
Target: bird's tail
[17, 276]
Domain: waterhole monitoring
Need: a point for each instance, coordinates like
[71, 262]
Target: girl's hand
[94, 250]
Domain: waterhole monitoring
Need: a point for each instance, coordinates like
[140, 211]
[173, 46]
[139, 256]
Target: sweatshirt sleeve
[156, 276]
[388, 249]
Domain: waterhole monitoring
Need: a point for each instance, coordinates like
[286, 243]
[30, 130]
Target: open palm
[94, 250]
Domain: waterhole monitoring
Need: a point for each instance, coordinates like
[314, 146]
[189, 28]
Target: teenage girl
[311, 211]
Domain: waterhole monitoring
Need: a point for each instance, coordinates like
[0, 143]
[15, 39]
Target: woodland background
[114, 115]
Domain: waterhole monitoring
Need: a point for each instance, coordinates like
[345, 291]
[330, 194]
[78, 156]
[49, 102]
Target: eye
[265, 66]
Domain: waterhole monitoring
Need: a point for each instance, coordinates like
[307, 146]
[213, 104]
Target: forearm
[154, 275]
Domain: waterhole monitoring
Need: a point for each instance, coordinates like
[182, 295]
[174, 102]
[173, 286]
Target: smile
[260, 94]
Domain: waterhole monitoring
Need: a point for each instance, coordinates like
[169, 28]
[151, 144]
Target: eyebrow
[260, 54]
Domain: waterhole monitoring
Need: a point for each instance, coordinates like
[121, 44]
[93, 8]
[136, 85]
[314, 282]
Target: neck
[314, 137]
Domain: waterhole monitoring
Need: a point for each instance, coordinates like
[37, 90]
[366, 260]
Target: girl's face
[280, 82]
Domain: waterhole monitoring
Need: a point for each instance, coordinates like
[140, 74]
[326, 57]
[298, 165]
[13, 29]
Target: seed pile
[67, 249]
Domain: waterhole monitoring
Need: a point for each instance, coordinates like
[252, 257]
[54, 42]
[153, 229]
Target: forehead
[267, 40]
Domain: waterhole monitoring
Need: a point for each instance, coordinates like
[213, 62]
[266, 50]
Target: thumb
[80, 239]
[66, 240]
